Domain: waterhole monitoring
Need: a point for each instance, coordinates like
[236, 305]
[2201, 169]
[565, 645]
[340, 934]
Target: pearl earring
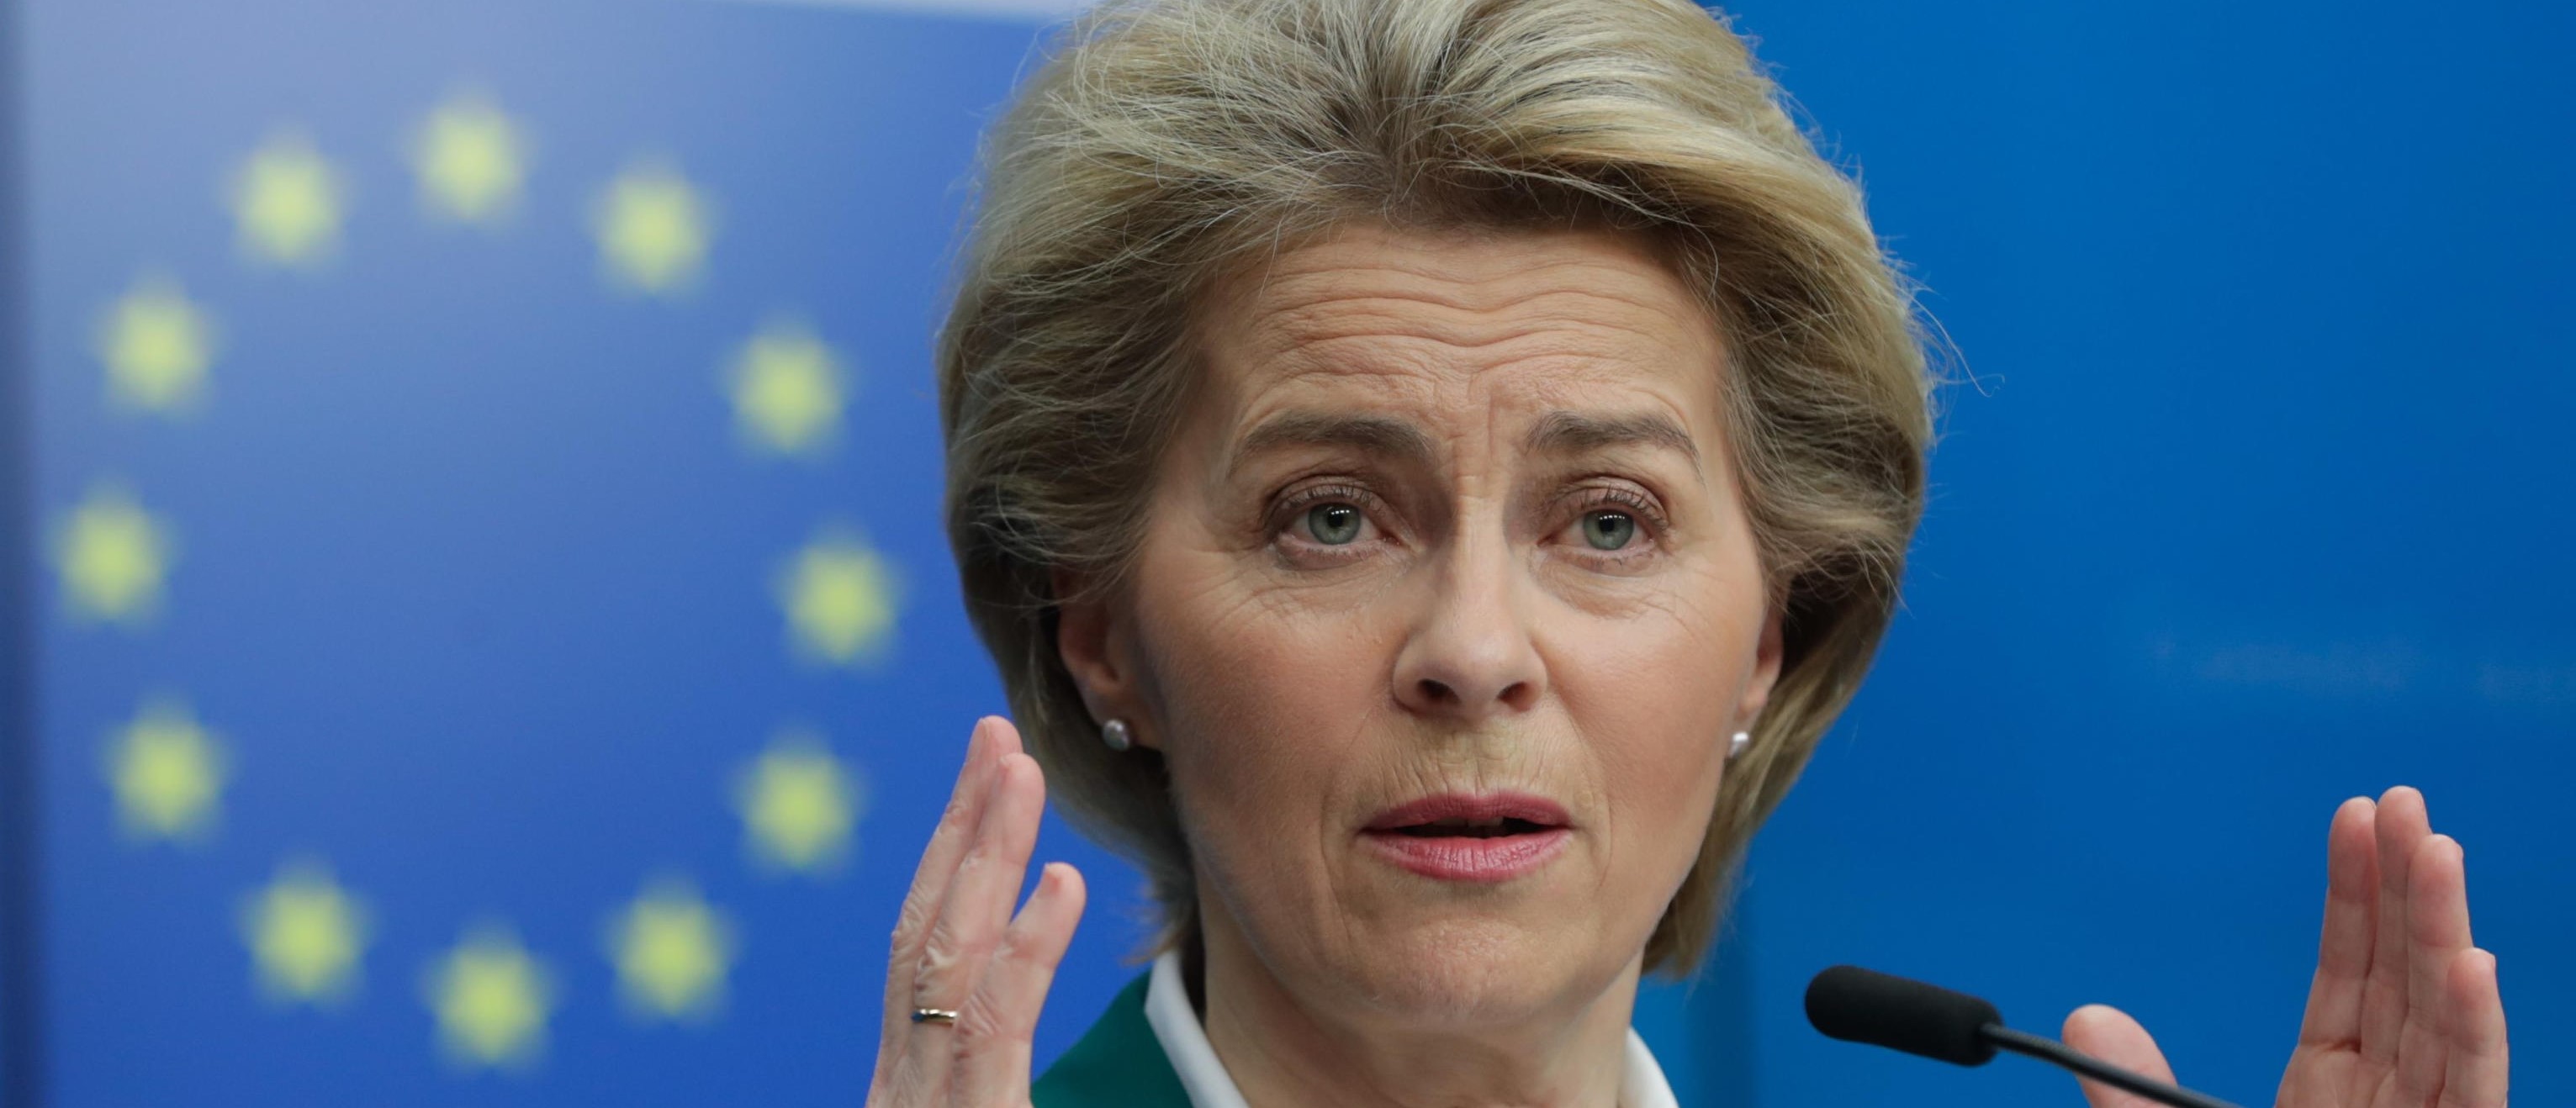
[1736, 745]
[1115, 733]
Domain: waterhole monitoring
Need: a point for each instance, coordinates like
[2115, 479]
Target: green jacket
[1118, 1064]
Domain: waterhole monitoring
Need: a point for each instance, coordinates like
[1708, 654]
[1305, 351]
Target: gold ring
[934, 1015]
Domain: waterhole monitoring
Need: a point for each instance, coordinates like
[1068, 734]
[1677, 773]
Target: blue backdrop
[481, 631]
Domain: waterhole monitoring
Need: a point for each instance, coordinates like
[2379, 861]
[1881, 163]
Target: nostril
[1437, 692]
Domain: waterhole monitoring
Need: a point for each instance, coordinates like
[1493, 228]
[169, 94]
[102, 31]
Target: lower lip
[1465, 858]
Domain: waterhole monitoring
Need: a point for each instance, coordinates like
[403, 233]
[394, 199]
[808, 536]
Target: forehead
[1463, 321]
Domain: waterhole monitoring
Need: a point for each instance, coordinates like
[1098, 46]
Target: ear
[1092, 638]
[1767, 655]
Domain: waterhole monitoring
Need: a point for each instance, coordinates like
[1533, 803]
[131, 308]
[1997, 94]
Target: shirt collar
[1176, 1026]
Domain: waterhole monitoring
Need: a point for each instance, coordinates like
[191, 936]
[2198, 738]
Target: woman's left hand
[2404, 1012]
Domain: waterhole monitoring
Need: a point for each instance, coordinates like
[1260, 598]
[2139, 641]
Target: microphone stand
[2057, 1053]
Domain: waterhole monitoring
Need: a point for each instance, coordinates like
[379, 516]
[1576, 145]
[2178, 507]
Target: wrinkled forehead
[1459, 330]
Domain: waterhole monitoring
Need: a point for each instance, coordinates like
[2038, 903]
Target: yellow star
[471, 160]
[798, 804]
[491, 999]
[653, 230]
[286, 201]
[787, 391]
[167, 773]
[671, 951]
[305, 934]
[156, 346]
[839, 596]
[113, 557]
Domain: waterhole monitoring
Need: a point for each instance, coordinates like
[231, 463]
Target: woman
[1429, 471]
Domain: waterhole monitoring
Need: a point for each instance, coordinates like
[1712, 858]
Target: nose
[1470, 657]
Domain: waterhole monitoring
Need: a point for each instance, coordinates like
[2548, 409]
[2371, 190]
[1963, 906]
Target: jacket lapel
[1117, 1064]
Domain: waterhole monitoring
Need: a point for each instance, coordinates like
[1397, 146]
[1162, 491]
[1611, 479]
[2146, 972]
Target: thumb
[2109, 1034]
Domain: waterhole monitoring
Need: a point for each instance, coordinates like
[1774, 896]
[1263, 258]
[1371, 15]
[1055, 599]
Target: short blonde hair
[1170, 143]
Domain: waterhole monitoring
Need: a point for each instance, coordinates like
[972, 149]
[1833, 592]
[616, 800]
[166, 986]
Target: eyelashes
[1593, 498]
[1307, 496]
[1315, 520]
[1292, 522]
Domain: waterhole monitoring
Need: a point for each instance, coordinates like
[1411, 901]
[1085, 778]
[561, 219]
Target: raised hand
[2404, 1011]
[958, 948]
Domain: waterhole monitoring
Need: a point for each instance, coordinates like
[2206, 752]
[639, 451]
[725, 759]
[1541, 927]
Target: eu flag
[495, 641]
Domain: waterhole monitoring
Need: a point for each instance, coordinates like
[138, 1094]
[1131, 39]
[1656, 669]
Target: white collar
[1176, 1026]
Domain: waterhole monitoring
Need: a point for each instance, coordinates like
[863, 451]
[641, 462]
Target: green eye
[1609, 530]
[1333, 524]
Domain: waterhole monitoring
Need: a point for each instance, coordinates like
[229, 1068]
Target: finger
[969, 923]
[992, 737]
[2109, 1034]
[2343, 950]
[2475, 1074]
[999, 1022]
[2437, 933]
[2398, 828]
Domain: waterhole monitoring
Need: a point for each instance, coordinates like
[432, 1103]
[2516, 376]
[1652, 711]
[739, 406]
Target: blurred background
[478, 629]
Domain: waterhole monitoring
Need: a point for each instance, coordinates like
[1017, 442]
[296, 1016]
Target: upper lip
[1464, 806]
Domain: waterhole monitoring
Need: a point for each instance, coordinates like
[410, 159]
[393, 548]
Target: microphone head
[1864, 1006]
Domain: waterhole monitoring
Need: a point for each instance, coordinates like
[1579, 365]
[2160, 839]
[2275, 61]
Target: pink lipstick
[1484, 839]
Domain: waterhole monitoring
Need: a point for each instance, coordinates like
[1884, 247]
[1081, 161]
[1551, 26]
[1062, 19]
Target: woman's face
[1449, 536]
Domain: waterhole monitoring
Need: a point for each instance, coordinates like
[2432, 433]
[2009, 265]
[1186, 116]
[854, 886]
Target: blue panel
[2256, 498]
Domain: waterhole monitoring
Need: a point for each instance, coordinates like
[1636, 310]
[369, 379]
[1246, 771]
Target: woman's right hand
[957, 947]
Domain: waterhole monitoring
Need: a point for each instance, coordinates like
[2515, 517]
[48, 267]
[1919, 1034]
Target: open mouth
[1458, 837]
[1471, 815]
[1470, 828]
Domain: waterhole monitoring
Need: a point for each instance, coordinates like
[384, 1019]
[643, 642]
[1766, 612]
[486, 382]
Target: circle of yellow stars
[307, 936]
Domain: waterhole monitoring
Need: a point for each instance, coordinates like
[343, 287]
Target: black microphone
[1865, 1006]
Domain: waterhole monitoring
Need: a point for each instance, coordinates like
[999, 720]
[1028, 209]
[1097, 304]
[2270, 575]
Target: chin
[1466, 970]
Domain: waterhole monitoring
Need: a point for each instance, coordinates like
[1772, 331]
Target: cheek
[1263, 705]
[1651, 694]
[1652, 722]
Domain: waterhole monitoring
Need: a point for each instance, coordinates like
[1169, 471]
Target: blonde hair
[1169, 143]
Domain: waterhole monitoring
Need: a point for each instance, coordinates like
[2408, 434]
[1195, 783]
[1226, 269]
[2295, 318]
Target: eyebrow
[1368, 434]
[1577, 432]
[1556, 433]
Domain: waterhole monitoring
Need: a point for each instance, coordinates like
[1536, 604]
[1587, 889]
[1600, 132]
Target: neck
[1289, 1048]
